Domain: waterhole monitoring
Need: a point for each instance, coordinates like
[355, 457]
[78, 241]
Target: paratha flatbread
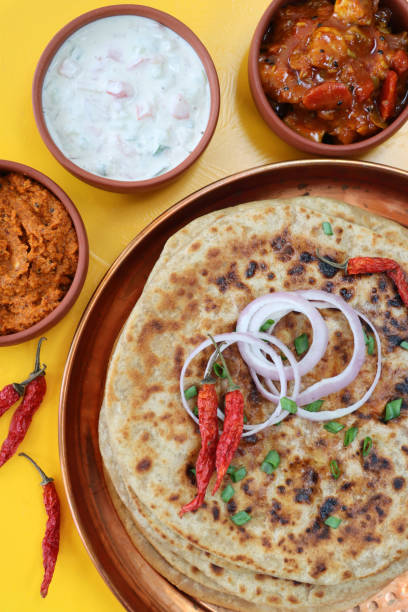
[199, 575]
[208, 272]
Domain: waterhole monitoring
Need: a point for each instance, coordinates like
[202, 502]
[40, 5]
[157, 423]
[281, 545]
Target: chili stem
[38, 371]
[45, 479]
[231, 385]
[333, 264]
[37, 355]
[210, 380]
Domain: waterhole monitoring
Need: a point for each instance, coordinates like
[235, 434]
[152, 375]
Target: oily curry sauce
[334, 72]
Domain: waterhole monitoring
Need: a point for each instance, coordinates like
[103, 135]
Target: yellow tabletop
[242, 140]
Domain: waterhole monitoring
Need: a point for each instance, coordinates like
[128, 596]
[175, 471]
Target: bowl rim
[109, 11]
[279, 127]
[74, 290]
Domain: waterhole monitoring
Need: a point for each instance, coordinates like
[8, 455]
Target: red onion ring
[258, 312]
[328, 415]
[276, 305]
[231, 338]
[326, 386]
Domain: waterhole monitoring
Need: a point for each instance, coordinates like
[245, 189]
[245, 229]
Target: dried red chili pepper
[233, 425]
[364, 265]
[10, 394]
[207, 403]
[22, 417]
[231, 435]
[50, 543]
[8, 397]
[398, 276]
[369, 265]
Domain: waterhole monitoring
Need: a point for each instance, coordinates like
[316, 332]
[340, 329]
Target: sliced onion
[274, 397]
[275, 306]
[328, 415]
[294, 364]
[326, 386]
[254, 350]
[228, 339]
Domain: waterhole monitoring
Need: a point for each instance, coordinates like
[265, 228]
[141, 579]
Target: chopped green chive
[227, 494]
[195, 411]
[369, 340]
[334, 469]
[301, 344]
[240, 518]
[190, 392]
[267, 325]
[289, 405]
[350, 435]
[273, 458]
[219, 370]
[333, 522]
[245, 418]
[267, 467]
[327, 228]
[392, 409]
[367, 446]
[160, 149]
[283, 357]
[231, 470]
[239, 474]
[314, 406]
[193, 471]
[404, 345]
[370, 345]
[333, 427]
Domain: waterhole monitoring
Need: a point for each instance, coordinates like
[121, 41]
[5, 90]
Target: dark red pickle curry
[334, 72]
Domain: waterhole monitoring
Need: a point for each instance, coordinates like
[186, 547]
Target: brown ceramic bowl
[399, 22]
[142, 11]
[83, 255]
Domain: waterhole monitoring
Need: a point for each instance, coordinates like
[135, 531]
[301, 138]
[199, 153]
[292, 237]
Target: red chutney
[334, 72]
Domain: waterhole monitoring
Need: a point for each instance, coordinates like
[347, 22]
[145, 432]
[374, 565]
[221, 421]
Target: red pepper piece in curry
[334, 72]
[327, 96]
[388, 97]
[400, 62]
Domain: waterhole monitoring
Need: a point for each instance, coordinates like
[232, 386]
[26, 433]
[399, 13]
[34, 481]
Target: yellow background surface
[242, 140]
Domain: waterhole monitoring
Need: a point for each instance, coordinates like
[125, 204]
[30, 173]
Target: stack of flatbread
[286, 557]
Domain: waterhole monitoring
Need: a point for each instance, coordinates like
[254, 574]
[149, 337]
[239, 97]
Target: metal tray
[137, 585]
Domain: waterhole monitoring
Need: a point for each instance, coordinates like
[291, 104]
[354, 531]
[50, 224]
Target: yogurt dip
[126, 98]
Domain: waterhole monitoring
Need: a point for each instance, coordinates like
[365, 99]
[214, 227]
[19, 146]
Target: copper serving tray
[137, 585]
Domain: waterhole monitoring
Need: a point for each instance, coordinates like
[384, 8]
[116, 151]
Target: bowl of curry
[43, 253]
[331, 77]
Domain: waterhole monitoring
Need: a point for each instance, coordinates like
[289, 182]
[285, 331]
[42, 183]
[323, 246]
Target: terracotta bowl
[399, 22]
[142, 11]
[83, 256]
